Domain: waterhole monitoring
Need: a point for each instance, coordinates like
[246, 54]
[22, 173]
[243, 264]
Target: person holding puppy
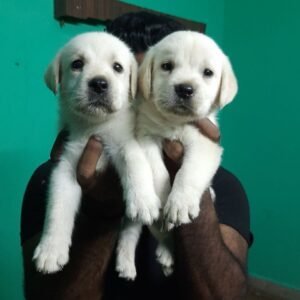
[210, 252]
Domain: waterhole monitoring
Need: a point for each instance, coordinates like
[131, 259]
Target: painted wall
[261, 130]
[29, 39]
[253, 127]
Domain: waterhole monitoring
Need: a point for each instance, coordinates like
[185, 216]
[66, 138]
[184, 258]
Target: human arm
[95, 232]
[211, 257]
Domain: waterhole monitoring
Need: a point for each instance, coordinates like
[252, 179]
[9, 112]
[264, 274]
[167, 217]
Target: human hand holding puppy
[102, 191]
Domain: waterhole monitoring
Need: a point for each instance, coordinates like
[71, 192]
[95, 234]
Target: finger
[207, 197]
[209, 129]
[58, 146]
[173, 149]
[173, 153]
[86, 168]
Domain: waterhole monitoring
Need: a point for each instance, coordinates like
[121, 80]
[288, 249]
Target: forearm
[83, 276]
[206, 267]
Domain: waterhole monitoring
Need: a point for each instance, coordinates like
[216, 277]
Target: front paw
[50, 256]
[125, 266]
[181, 208]
[143, 208]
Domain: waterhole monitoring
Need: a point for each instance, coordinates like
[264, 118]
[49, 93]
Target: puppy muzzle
[98, 93]
[183, 97]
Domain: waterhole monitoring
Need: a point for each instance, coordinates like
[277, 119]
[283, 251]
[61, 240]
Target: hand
[174, 151]
[102, 193]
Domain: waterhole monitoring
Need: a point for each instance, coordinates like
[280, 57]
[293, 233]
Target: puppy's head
[95, 74]
[187, 76]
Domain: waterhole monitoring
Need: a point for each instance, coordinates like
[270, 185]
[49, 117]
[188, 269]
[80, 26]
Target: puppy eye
[208, 73]
[77, 64]
[118, 68]
[167, 66]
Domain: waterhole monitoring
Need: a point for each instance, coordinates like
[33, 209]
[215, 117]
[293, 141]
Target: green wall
[261, 130]
[29, 39]
[260, 140]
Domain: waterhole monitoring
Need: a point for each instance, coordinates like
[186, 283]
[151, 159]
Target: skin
[211, 258]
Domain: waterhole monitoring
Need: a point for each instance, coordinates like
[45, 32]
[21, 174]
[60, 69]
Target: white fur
[114, 123]
[164, 115]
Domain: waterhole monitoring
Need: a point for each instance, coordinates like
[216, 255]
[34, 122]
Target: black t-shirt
[231, 205]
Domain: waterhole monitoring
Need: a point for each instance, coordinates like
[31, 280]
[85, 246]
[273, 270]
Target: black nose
[98, 85]
[184, 91]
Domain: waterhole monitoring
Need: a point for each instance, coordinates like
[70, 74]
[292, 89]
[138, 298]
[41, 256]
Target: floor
[255, 295]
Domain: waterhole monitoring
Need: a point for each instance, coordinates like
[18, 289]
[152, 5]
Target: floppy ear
[145, 75]
[228, 86]
[133, 78]
[53, 74]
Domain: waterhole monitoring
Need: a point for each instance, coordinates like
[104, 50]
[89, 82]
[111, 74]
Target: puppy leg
[165, 257]
[164, 251]
[201, 160]
[142, 202]
[125, 261]
[52, 253]
[160, 173]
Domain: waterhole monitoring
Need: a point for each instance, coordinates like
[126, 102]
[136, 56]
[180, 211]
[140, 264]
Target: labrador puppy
[96, 75]
[183, 78]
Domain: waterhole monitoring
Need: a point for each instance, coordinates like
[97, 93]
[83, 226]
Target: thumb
[86, 168]
[209, 129]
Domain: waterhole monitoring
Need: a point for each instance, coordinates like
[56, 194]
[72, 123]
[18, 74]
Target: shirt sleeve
[232, 204]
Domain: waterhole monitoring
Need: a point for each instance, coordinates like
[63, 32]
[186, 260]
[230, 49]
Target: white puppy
[97, 76]
[183, 78]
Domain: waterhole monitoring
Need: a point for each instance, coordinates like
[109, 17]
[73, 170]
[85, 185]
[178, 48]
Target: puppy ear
[53, 74]
[145, 75]
[133, 78]
[228, 86]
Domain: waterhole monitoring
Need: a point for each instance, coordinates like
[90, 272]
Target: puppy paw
[51, 256]
[181, 209]
[165, 258]
[144, 209]
[125, 267]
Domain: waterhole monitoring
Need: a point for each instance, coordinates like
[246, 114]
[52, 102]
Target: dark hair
[140, 30]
